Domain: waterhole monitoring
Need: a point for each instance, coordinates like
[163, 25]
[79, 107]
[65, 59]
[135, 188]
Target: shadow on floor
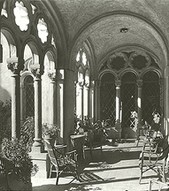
[112, 157]
[100, 162]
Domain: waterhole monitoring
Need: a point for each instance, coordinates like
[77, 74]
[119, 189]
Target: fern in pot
[17, 163]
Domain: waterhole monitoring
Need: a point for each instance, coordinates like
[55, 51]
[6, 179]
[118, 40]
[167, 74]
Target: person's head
[156, 117]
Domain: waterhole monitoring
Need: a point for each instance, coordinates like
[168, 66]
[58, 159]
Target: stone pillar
[97, 100]
[82, 101]
[166, 100]
[52, 94]
[86, 100]
[139, 100]
[118, 106]
[59, 102]
[15, 65]
[1, 4]
[79, 100]
[91, 101]
[68, 125]
[1, 56]
[139, 109]
[35, 69]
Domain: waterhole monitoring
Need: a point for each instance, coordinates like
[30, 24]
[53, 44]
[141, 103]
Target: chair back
[51, 153]
[165, 148]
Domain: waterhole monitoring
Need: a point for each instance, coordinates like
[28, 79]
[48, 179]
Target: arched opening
[29, 96]
[108, 97]
[150, 96]
[128, 102]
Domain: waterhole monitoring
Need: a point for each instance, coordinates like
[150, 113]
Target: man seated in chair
[157, 135]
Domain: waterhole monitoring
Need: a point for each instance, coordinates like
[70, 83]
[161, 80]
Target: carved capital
[139, 83]
[118, 83]
[52, 75]
[36, 71]
[81, 84]
[15, 64]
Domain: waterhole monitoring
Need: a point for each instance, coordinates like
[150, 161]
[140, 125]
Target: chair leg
[47, 166]
[141, 175]
[141, 167]
[150, 185]
[57, 178]
[50, 171]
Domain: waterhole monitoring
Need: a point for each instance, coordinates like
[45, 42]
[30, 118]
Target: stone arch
[155, 31]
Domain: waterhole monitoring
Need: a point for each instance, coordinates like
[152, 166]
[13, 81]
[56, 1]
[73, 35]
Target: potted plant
[50, 132]
[18, 165]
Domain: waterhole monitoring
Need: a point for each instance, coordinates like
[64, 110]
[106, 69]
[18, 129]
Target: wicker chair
[59, 161]
[154, 157]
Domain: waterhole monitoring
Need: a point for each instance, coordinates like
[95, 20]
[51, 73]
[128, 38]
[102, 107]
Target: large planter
[15, 184]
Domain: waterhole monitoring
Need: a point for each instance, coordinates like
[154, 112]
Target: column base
[118, 128]
[38, 145]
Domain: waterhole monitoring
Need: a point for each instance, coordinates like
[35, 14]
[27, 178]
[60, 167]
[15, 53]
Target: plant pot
[15, 184]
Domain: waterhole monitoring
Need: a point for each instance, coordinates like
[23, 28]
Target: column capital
[139, 83]
[118, 83]
[87, 84]
[36, 70]
[15, 64]
[92, 84]
[52, 75]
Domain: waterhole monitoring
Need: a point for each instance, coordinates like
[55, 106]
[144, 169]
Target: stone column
[139, 109]
[139, 100]
[68, 123]
[86, 100]
[1, 4]
[97, 100]
[35, 69]
[15, 65]
[52, 94]
[118, 106]
[79, 100]
[91, 101]
[82, 101]
[166, 100]
[59, 101]
[1, 52]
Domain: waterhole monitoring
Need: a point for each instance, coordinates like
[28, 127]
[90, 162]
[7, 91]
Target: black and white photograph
[84, 95]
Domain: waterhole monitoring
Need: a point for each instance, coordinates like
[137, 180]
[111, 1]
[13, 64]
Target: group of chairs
[58, 161]
[154, 156]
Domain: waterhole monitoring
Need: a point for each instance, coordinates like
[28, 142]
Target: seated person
[157, 136]
[156, 126]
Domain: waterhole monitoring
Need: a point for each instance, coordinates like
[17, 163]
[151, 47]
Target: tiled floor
[116, 169]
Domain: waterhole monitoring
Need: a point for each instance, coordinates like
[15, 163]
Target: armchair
[154, 157]
[59, 161]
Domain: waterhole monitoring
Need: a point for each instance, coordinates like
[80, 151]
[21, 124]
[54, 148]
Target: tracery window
[27, 29]
[83, 83]
[21, 15]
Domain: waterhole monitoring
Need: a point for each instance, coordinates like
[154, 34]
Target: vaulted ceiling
[101, 22]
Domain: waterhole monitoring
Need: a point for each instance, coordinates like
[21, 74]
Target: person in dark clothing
[156, 125]
[157, 136]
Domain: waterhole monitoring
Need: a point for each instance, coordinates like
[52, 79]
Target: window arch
[82, 85]
[29, 96]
